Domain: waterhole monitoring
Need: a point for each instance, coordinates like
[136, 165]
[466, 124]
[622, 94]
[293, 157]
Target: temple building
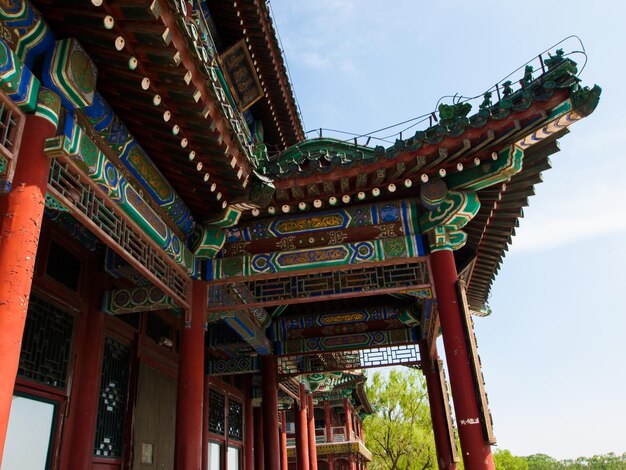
[186, 282]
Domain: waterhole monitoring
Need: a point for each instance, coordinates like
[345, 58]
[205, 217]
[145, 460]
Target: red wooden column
[269, 378]
[437, 409]
[259, 454]
[284, 460]
[21, 211]
[352, 462]
[476, 452]
[78, 444]
[348, 412]
[302, 440]
[311, 428]
[190, 398]
[248, 429]
[328, 422]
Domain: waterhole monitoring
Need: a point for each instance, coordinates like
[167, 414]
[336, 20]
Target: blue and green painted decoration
[110, 127]
[16, 80]
[281, 327]
[348, 342]
[75, 144]
[329, 226]
[136, 300]
[70, 72]
[244, 323]
[27, 33]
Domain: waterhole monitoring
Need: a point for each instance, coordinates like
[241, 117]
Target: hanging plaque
[241, 76]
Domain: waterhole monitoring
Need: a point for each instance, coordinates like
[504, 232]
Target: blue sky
[553, 351]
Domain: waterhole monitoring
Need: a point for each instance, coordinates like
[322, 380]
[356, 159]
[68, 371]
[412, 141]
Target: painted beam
[139, 299]
[337, 256]
[343, 321]
[247, 327]
[393, 277]
[237, 365]
[16, 80]
[25, 31]
[348, 342]
[111, 128]
[274, 233]
[76, 145]
[335, 238]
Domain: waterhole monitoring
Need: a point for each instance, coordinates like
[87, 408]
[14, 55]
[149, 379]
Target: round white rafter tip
[120, 42]
[108, 22]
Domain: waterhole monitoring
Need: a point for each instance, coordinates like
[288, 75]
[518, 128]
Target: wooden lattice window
[46, 344]
[235, 420]
[11, 128]
[113, 399]
[217, 412]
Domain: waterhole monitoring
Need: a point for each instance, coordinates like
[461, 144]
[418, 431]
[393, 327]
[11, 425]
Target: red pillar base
[476, 451]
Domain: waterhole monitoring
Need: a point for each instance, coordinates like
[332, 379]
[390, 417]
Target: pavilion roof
[321, 168]
[196, 146]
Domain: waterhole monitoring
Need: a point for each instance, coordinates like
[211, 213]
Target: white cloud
[314, 60]
[593, 212]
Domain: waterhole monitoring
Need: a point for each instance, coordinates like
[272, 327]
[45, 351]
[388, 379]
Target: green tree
[542, 462]
[504, 460]
[399, 433]
[608, 461]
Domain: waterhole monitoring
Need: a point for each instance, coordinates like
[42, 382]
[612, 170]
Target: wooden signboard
[446, 403]
[479, 383]
[241, 75]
